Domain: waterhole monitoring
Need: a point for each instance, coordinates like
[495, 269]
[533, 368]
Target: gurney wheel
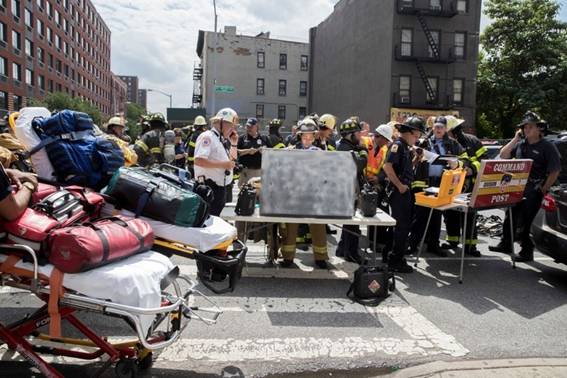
[126, 368]
[146, 362]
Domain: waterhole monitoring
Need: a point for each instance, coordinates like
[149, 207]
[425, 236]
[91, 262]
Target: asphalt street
[282, 322]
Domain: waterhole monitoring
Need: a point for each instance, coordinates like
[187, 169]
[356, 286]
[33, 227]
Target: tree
[523, 64]
[133, 114]
[59, 101]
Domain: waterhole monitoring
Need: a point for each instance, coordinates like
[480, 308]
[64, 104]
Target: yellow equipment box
[451, 186]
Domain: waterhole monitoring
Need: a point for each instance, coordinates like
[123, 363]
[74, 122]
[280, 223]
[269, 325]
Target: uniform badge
[394, 148]
[259, 142]
[206, 141]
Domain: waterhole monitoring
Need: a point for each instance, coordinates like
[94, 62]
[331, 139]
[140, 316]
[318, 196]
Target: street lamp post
[165, 94]
[215, 60]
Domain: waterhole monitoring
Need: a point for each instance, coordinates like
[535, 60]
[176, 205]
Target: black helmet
[351, 125]
[532, 117]
[413, 123]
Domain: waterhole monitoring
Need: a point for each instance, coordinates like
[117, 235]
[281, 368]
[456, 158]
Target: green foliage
[60, 101]
[487, 129]
[133, 114]
[523, 64]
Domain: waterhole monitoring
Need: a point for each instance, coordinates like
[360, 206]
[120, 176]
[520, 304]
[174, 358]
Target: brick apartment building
[53, 46]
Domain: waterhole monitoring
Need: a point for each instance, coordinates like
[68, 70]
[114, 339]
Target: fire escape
[197, 77]
[408, 7]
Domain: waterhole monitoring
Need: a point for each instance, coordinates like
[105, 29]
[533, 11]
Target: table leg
[512, 236]
[422, 241]
[375, 242]
[463, 240]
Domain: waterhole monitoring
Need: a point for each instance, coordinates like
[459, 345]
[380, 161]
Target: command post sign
[500, 183]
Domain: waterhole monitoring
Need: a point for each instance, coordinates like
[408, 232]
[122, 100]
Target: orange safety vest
[375, 161]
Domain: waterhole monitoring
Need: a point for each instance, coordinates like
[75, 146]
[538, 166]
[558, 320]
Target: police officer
[439, 143]
[250, 147]
[149, 146]
[399, 168]
[473, 153]
[324, 139]
[307, 131]
[350, 141]
[529, 143]
[214, 161]
[274, 137]
[199, 126]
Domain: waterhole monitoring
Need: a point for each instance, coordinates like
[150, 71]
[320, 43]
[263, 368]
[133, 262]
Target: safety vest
[376, 161]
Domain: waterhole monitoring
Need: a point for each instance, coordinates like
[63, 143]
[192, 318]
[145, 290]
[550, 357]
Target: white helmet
[227, 115]
[386, 131]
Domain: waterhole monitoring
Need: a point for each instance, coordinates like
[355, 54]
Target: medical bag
[82, 247]
[368, 201]
[371, 285]
[246, 203]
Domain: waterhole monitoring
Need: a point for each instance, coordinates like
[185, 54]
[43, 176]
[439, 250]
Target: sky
[156, 39]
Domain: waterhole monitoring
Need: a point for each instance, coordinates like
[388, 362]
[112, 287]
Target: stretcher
[153, 300]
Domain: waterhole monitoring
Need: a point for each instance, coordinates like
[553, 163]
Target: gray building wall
[236, 66]
[355, 69]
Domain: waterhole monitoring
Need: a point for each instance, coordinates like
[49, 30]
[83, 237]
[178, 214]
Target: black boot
[321, 264]
[524, 256]
[471, 250]
[400, 266]
[501, 247]
[436, 250]
[449, 245]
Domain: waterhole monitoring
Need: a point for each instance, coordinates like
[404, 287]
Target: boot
[449, 245]
[400, 266]
[501, 247]
[321, 264]
[524, 256]
[436, 250]
[471, 250]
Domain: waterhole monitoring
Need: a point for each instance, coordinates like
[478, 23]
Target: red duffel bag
[79, 248]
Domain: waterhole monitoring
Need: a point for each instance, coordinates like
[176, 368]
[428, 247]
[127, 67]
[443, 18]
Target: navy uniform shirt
[246, 142]
[400, 156]
[545, 156]
[5, 186]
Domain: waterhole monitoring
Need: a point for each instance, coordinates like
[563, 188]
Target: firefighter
[292, 139]
[199, 126]
[149, 146]
[439, 143]
[399, 168]
[307, 131]
[350, 141]
[324, 139]
[274, 137]
[473, 153]
[528, 143]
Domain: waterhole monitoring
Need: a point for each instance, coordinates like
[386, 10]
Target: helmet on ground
[532, 117]
[227, 115]
[200, 121]
[349, 126]
[328, 121]
[386, 131]
[307, 126]
[453, 122]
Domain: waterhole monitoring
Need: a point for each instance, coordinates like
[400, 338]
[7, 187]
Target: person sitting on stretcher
[13, 203]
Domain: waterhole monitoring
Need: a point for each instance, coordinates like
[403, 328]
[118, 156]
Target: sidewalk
[533, 367]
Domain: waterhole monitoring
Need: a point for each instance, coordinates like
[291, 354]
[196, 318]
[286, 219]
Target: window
[407, 42]
[28, 17]
[261, 59]
[302, 112]
[435, 36]
[18, 102]
[458, 90]
[433, 83]
[259, 87]
[3, 32]
[460, 43]
[16, 72]
[57, 41]
[462, 6]
[39, 27]
[39, 3]
[16, 8]
[281, 112]
[29, 77]
[283, 61]
[282, 87]
[435, 4]
[259, 110]
[3, 66]
[304, 63]
[16, 40]
[40, 55]
[405, 89]
[302, 88]
[41, 82]
[57, 17]
[49, 34]
[3, 100]
[29, 47]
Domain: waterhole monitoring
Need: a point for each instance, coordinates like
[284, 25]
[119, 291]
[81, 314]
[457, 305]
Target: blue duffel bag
[77, 155]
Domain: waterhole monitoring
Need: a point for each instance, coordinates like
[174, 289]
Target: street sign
[500, 183]
[224, 89]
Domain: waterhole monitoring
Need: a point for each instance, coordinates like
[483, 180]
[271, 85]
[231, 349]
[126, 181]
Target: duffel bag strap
[118, 221]
[74, 135]
[144, 198]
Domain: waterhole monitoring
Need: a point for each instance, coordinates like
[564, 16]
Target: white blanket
[215, 231]
[134, 281]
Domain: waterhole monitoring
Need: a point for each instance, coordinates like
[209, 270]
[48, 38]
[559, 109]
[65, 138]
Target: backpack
[371, 284]
[77, 155]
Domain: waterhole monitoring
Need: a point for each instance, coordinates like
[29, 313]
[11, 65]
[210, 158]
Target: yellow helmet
[200, 121]
[328, 120]
[453, 122]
